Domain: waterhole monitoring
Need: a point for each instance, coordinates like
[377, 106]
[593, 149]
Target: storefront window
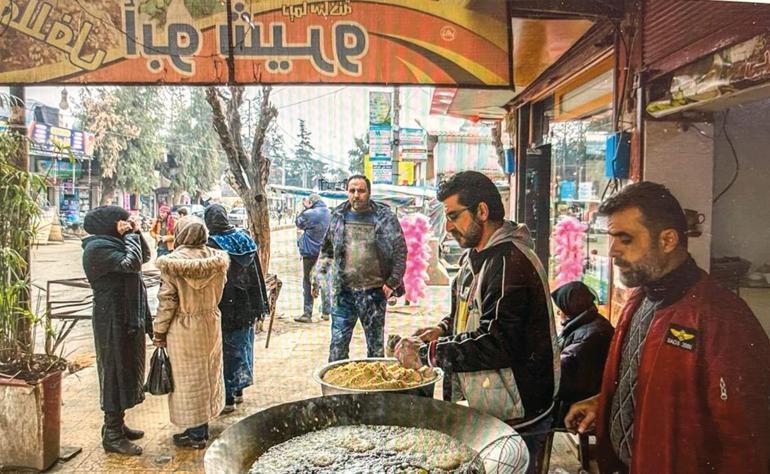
[578, 180]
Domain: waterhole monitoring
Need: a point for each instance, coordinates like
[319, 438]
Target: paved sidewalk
[282, 372]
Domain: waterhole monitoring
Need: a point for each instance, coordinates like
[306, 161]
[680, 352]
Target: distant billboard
[437, 42]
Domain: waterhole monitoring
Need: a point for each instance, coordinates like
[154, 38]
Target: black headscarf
[216, 219]
[573, 298]
[103, 220]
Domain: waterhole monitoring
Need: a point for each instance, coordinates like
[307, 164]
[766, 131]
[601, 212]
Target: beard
[471, 237]
[646, 270]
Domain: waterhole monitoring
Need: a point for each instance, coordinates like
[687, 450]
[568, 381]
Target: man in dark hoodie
[498, 344]
[112, 259]
[314, 222]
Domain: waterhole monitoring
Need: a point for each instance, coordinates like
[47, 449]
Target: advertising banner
[436, 42]
[47, 140]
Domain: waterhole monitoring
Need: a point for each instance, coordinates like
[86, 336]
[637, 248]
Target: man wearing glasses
[498, 344]
[366, 248]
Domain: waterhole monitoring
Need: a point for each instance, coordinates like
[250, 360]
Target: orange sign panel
[439, 42]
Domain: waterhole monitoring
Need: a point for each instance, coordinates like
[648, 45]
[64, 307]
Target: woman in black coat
[244, 301]
[112, 260]
[584, 343]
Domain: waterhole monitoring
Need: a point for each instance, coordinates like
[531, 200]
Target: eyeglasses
[452, 216]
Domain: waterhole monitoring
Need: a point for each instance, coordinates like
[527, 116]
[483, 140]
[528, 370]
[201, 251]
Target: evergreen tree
[357, 154]
[304, 168]
[193, 144]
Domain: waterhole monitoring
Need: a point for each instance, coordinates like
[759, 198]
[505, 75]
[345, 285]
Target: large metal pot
[424, 390]
[240, 445]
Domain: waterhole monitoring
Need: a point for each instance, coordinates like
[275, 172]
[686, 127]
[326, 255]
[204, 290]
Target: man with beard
[498, 344]
[366, 248]
[686, 388]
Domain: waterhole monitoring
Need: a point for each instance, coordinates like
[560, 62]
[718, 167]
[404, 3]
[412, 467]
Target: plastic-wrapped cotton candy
[416, 229]
[568, 237]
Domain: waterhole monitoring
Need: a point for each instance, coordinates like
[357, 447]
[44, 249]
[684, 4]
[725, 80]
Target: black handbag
[159, 380]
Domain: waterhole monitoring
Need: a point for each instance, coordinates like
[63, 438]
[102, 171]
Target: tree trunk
[178, 196]
[259, 226]
[109, 185]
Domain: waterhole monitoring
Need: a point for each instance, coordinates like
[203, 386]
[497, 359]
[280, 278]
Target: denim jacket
[391, 246]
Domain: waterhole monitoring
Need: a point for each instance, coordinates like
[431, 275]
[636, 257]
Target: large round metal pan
[240, 445]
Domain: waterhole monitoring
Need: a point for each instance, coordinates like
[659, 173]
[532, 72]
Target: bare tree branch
[220, 124]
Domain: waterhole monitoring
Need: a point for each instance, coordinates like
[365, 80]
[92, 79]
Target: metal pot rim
[319, 373]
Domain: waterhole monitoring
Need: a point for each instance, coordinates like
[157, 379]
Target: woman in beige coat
[188, 324]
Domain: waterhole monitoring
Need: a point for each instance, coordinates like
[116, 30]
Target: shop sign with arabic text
[442, 42]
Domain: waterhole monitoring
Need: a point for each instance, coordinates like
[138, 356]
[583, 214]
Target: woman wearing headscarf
[162, 231]
[112, 260]
[244, 301]
[187, 323]
[584, 342]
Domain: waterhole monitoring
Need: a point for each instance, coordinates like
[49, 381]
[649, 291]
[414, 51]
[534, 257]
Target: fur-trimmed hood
[195, 265]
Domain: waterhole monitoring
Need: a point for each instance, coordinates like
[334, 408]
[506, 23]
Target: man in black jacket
[498, 344]
[584, 342]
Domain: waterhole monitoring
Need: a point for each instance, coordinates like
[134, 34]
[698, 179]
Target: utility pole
[18, 126]
[395, 143]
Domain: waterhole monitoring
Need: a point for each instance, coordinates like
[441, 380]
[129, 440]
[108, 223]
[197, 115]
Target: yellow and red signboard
[441, 42]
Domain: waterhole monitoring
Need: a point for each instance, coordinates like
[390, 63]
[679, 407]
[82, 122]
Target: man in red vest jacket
[686, 387]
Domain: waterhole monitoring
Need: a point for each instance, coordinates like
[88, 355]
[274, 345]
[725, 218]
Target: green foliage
[19, 215]
[303, 166]
[193, 143]
[127, 123]
[357, 154]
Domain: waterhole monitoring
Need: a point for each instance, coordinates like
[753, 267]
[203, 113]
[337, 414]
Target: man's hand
[407, 352]
[159, 340]
[428, 334]
[314, 290]
[582, 416]
[135, 224]
[123, 226]
[387, 290]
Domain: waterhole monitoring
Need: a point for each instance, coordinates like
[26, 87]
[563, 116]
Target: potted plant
[30, 384]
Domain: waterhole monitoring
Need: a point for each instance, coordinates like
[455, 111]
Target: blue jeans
[238, 361]
[350, 306]
[307, 296]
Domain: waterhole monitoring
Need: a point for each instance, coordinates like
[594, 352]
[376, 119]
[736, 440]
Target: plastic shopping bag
[159, 380]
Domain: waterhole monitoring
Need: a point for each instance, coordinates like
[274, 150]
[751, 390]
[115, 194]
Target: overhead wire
[735, 157]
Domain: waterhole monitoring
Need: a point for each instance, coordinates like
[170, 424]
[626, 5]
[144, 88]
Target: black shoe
[114, 441]
[305, 318]
[228, 409]
[132, 434]
[183, 440]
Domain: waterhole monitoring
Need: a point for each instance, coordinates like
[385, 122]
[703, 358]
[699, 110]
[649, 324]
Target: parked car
[197, 210]
[449, 252]
[238, 217]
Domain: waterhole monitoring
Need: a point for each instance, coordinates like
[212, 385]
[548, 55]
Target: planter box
[30, 419]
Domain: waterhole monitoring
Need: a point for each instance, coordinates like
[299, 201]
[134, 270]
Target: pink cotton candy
[568, 237]
[416, 229]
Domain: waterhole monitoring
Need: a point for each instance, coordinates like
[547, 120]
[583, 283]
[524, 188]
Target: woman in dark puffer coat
[584, 342]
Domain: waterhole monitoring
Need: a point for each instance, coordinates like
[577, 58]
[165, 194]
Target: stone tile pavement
[282, 372]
